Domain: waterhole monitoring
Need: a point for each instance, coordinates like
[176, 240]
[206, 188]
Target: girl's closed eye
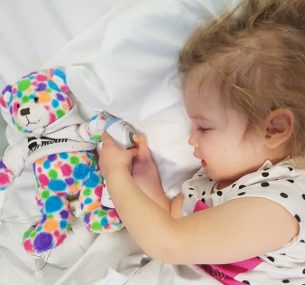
[203, 129]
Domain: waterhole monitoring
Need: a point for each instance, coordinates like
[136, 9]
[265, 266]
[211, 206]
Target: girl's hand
[144, 170]
[112, 158]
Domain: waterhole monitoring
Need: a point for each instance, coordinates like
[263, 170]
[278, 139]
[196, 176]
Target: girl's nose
[192, 141]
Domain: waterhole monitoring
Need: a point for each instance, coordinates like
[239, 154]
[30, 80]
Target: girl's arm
[236, 230]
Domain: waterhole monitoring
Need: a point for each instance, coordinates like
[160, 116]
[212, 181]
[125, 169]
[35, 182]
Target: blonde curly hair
[256, 61]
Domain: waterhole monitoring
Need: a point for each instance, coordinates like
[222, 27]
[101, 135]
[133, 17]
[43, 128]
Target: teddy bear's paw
[36, 241]
[6, 176]
[103, 220]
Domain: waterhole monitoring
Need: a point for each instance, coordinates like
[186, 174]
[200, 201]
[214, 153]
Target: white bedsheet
[120, 55]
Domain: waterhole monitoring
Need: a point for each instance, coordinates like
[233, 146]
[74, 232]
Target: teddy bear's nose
[25, 111]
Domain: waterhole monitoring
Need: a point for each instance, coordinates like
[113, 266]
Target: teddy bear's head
[37, 100]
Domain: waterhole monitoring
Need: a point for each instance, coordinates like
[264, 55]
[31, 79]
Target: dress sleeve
[289, 193]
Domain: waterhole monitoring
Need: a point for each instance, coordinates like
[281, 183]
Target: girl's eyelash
[200, 129]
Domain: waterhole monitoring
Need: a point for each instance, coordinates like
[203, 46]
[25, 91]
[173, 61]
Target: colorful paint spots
[6, 176]
[75, 174]
[23, 84]
[40, 88]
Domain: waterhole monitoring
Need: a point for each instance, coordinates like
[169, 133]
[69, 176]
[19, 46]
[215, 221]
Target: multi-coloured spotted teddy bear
[59, 145]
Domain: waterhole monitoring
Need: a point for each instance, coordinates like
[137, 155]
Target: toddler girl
[241, 217]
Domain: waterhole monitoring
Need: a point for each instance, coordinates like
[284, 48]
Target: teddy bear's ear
[58, 80]
[6, 96]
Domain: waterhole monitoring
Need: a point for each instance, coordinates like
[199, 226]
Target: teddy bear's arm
[120, 131]
[11, 165]
[92, 131]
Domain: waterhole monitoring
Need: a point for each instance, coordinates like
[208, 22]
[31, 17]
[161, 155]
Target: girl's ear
[279, 125]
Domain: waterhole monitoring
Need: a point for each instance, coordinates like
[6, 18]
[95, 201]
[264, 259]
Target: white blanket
[121, 56]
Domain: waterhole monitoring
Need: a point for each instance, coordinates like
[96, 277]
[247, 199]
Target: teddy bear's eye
[36, 99]
[18, 105]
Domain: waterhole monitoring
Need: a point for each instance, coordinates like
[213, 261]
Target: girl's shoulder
[282, 180]
[281, 183]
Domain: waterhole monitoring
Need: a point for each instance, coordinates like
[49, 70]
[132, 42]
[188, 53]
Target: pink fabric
[200, 206]
[225, 273]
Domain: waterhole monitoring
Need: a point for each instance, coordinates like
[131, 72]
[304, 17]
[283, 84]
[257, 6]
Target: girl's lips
[203, 163]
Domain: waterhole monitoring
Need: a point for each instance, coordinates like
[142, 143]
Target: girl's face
[219, 136]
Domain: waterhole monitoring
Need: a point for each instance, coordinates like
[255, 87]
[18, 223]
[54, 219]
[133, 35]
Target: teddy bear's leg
[51, 230]
[97, 218]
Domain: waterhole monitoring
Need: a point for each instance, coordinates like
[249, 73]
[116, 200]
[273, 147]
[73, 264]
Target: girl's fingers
[106, 137]
[133, 151]
[139, 139]
[108, 140]
[143, 150]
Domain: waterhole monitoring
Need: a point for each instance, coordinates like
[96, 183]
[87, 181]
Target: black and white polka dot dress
[280, 183]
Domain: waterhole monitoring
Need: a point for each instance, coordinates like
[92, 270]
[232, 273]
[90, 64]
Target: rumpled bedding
[120, 56]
